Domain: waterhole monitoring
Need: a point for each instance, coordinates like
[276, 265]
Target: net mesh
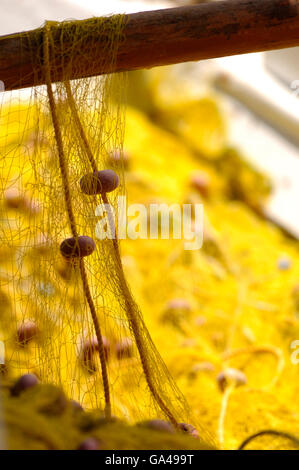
[50, 137]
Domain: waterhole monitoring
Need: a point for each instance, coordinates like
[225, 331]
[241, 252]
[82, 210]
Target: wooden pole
[160, 37]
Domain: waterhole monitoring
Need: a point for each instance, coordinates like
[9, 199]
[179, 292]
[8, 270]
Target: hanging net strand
[71, 217]
[129, 302]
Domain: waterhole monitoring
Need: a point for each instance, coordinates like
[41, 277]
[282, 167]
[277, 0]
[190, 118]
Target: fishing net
[224, 317]
[72, 320]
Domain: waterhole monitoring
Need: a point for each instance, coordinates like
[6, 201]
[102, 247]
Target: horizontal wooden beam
[154, 38]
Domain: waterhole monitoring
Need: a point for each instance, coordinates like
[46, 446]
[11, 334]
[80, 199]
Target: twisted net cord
[270, 432]
[72, 221]
[129, 302]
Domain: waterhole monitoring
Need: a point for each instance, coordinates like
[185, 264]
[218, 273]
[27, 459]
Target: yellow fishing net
[223, 317]
[80, 311]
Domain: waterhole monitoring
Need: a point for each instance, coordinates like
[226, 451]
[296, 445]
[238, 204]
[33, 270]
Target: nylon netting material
[37, 284]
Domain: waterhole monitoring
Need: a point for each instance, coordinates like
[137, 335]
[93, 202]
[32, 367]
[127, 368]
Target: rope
[268, 432]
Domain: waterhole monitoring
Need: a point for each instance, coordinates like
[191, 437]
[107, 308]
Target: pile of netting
[231, 308]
